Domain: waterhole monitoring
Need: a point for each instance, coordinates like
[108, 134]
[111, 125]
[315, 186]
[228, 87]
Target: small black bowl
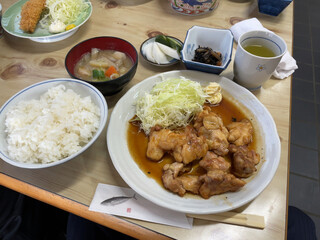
[108, 87]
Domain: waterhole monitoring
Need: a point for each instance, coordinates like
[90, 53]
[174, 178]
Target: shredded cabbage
[171, 104]
[66, 11]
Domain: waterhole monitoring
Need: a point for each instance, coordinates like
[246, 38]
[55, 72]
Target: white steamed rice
[51, 128]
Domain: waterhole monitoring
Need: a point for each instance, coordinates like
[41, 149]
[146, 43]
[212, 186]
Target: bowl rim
[175, 61]
[102, 122]
[205, 64]
[262, 34]
[135, 63]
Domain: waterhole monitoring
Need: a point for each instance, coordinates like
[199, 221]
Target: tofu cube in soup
[119, 55]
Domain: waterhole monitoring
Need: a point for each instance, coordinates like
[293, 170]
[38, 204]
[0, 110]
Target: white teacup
[250, 70]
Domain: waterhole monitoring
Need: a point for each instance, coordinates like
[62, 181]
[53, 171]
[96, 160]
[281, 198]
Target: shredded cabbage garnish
[66, 11]
[172, 103]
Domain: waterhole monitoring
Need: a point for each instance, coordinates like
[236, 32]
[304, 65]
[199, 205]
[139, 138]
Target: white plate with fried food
[39, 20]
[267, 144]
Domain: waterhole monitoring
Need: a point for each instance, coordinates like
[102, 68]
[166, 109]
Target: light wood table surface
[71, 186]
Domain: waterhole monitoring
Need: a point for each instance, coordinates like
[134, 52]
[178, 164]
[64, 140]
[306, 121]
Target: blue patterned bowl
[194, 7]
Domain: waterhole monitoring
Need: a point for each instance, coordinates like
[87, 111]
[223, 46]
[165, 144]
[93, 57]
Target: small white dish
[219, 40]
[151, 190]
[173, 61]
[34, 92]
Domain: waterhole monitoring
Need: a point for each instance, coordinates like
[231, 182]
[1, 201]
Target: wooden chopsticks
[243, 219]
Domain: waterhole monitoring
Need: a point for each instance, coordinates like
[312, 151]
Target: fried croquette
[30, 15]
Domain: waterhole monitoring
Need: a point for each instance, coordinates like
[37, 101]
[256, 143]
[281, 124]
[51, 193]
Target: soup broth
[260, 50]
[102, 65]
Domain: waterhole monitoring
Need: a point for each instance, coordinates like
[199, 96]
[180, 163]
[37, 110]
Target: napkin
[287, 65]
[127, 203]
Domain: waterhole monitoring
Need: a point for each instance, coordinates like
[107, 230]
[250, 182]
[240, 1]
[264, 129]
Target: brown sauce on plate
[138, 141]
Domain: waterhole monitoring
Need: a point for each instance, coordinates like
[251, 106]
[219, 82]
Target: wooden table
[71, 186]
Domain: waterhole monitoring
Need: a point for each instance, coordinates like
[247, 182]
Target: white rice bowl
[79, 125]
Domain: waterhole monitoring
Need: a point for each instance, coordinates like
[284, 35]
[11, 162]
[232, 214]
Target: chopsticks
[243, 219]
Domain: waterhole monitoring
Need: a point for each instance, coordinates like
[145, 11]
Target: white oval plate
[151, 190]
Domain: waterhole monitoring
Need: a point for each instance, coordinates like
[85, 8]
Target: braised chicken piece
[210, 125]
[190, 183]
[170, 178]
[217, 182]
[184, 146]
[194, 148]
[179, 184]
[161, 141]
[208, 119]
[240, 133]
[186, 168]
[233, 148]
[218, 179]
[244, 161]
[216, 140]
[214, 162]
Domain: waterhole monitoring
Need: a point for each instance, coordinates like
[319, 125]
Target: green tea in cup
[259, 50]
[258, 54]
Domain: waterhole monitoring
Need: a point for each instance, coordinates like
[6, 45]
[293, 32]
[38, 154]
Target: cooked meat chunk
[244, 161]
[233, 148]
[217, 182]
[218, 179]
[216, 140]
[190, 183]
[194, 148]
[210, 125]
[174, 167]
[179, 184]
[240, 133]
[160, 142]
[212, 121]
[208, 118]
[170, 180]
[214, 162]
[30, 14]
[185, 146]
[187, 168]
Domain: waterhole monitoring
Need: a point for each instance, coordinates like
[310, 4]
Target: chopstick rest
[243, 219]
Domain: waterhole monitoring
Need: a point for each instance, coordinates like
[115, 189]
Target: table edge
[79, 209]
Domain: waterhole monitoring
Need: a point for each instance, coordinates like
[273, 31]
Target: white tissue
[286, 67]
[127, 203]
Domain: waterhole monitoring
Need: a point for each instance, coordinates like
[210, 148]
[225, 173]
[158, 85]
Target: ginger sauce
[138, 141]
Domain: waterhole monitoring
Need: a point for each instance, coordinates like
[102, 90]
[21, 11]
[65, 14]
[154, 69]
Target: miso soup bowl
[107, 87]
